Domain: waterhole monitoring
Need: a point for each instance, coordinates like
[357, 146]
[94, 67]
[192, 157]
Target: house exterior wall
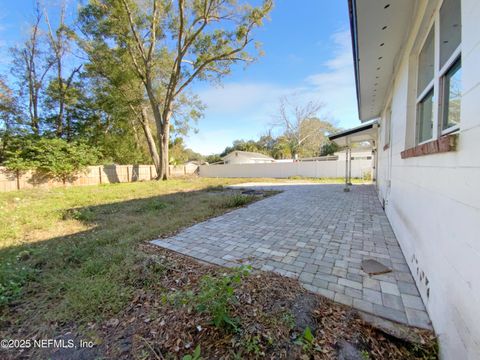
[433, 201]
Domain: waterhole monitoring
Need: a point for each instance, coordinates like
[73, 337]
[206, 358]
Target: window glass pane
[426, 63]
[425, 117]
[452, 95]
[450, 29]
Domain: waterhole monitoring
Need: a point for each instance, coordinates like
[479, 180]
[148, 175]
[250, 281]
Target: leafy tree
[56, 158]
[179, 154]
[61, 94]
[329, 148]
[170, 44]
[214, 158]
[303, 133]
[30, 66]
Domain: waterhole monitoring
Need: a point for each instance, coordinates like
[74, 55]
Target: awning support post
[346, 188]
[349, 166]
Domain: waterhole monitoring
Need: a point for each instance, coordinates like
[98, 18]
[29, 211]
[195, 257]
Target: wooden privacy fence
[93, 175]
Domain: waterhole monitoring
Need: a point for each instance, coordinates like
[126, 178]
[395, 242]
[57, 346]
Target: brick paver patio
[318, 234]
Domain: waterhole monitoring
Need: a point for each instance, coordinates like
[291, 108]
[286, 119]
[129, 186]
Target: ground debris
[273, 313]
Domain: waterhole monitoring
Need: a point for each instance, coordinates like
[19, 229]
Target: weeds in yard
[77, 247]
[215, 297]
[196, 355]
[237, 200]
[13, 276]
[306, 340]
[84, 215]
[154, 205]
[251, 344]
[288, 319]
[365, 355]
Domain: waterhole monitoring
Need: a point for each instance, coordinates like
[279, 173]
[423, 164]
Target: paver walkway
[318, 234]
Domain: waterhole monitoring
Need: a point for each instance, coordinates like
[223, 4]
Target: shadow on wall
[111, 171]
[135, 173]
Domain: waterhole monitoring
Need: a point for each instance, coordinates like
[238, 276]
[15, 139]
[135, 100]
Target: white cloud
[234, 97]
[336, 85]
[246, 109]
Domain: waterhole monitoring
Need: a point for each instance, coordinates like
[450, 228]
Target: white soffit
[381, 29]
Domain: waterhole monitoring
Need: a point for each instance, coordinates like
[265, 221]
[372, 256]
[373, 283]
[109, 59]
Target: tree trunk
[162, 124]
[164, 142]
[150, 141]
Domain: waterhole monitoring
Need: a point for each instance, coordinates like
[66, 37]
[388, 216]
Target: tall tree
[170, 44]
[303, 132]
[60, 92]
[31, 65]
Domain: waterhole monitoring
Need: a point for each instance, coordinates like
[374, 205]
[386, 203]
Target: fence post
[18, 179]
[100, 174]
[128, 173]
[150, 169]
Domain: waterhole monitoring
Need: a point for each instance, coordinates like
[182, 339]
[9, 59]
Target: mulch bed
[273, 313]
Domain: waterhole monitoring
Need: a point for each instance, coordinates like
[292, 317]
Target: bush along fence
[93, 175]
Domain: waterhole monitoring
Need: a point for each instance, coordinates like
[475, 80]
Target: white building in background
[417, 67]
[246, 157]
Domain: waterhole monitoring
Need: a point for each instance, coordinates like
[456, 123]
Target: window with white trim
[438, 97]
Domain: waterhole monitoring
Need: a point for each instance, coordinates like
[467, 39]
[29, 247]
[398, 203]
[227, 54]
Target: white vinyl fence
[316, 169]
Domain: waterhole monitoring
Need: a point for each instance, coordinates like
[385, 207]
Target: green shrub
[55, 158]
[216, 296]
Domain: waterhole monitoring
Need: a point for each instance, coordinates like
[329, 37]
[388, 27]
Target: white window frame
[456, 55]
[437, 83]
[429, 87]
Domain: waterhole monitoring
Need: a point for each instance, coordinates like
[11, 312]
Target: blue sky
[307, 53]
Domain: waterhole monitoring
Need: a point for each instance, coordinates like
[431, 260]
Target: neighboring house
[246, 157]
[417, 66]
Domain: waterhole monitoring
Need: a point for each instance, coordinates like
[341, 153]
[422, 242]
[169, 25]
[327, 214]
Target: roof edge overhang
[352, 12]
[379, 30]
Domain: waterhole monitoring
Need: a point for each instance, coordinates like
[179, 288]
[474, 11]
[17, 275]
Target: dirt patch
[271, 310]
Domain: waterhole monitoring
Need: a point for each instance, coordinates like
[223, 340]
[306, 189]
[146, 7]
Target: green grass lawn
[67, 253]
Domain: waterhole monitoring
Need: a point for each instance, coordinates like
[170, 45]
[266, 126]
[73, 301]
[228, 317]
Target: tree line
[296, 131]
[113, 83]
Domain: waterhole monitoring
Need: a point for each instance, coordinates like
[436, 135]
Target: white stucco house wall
[246, 157]
[417, 67]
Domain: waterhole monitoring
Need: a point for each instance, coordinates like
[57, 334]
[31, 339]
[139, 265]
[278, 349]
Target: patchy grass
[67, 249]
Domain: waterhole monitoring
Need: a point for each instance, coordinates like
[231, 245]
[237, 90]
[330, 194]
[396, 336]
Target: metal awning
[365, 132]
